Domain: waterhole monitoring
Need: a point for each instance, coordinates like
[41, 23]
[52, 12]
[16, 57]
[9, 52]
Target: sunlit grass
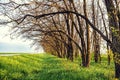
[47, 67]
[15, 53]
[9, 53]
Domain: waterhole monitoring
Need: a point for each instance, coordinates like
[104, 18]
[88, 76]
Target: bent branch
[68, 12]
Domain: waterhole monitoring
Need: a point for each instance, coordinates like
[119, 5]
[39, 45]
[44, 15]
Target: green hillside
[47, 67]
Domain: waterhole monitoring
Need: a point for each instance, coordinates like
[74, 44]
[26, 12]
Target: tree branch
[68, 12]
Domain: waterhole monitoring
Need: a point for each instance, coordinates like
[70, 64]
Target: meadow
[48, 67]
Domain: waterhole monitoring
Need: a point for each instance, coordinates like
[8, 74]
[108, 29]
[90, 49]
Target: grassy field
[47, 67]
[11, 53]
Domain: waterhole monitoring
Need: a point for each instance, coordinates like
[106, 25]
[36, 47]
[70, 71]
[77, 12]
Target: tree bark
[117, 70]
[114, 25]
[88, 36]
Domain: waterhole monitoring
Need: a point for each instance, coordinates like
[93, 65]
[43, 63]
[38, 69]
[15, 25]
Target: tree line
[68, 28]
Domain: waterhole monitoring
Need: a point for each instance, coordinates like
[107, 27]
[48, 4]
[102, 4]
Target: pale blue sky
[14, 45]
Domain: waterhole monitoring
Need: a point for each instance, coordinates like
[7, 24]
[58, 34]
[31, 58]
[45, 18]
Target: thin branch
[68, 12]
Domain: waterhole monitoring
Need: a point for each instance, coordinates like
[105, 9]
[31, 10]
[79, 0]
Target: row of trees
[68, 28]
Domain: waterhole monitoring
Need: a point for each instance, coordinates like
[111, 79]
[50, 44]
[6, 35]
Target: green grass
[48, 67]
[11, 53]
[8, 53]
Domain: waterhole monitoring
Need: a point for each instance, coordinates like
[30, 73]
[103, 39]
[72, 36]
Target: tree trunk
[87, 36]
[117, 65]
[83, 56]
[70, 51]
[97, 53]
[116, 51]
[96, 44]
[117, 70]
[114, 25]
[108, 54]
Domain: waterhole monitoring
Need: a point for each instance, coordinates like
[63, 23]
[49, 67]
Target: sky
[14, 45]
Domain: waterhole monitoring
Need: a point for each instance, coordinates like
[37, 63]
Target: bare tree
[114, 20]
[54, 23]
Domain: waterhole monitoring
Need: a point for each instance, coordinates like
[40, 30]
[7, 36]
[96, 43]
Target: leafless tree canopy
[67, 28]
